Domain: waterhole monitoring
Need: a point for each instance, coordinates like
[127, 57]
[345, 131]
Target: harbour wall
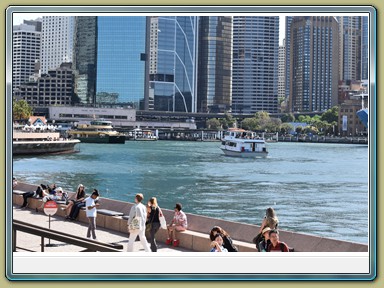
[196, 237]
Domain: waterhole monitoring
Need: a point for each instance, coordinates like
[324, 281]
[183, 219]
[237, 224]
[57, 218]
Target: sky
[19, 17]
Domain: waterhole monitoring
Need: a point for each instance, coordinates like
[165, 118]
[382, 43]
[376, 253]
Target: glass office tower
[172, 63]
[109, 54]
[215, 64]
[120, 65]
[364, 48]
[85, 59]
[255, 64]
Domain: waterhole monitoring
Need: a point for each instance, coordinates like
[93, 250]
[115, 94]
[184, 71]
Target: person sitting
[218, 244]
[178, 223]
[78, 198]
[38, 193]
[228, 244]
[276, 245]
[14, 182]
[270, 220]
[263, 244]
[58, 195]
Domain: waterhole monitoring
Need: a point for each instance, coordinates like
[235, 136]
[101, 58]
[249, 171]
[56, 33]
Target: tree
[331, 115]
[228, 121]
[286, 128]
[288, 117]
[250, 124]
[213, 123]
[21, 110]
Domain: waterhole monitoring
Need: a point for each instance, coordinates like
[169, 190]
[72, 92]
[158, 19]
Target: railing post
[14, 240]
[42, 244]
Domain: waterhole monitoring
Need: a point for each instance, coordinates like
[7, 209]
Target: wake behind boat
[244, 144]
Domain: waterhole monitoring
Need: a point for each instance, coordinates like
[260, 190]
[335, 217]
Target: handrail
[90, 245]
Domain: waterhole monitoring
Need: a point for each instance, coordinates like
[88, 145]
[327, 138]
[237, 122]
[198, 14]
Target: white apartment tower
[56, 41]
[25, 52]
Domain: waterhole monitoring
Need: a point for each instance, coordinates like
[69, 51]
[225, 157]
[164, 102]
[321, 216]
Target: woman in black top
[227, 239]
[79, 198]
[153, 223]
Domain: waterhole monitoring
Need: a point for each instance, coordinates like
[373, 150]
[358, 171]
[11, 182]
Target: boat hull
[107, 139]
[44, 147]
[245, 154]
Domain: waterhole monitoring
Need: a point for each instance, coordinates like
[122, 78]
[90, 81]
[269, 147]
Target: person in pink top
[178, 223]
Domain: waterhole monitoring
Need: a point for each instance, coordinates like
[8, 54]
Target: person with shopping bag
[136, 224]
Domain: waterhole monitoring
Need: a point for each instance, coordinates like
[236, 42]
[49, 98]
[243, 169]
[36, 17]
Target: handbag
[135, 224]
[163, 223]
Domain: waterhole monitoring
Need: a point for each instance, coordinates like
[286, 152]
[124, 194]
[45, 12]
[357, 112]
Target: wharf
[31, 242]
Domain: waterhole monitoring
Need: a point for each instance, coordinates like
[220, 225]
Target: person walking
[138, 211]
[91, 213]
[153, 223]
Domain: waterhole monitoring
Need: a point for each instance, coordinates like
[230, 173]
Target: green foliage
[250, 124]
[285, 128]
[228, 121]
[288, 117]
[21, 110]
[213, 123]
[331, 115]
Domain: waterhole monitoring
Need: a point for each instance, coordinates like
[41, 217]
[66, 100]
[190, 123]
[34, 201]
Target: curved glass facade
[172, 76]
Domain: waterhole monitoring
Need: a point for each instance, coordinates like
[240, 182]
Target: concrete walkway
[32, 242]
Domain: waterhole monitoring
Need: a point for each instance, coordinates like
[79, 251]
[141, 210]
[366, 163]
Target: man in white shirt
[91, 213]
[139, 212]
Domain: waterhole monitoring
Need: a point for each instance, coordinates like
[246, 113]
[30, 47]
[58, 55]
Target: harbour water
[319, 189]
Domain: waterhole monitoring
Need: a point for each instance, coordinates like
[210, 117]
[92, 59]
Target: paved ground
[32, 242]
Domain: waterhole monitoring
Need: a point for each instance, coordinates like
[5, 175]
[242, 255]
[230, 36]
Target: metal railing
[45, 233]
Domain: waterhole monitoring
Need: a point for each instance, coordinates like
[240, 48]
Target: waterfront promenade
[75, 228]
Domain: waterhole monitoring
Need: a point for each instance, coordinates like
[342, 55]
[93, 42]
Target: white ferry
[242, 143]
[142, 135]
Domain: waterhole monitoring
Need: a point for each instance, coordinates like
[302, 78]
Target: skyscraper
[25, 51]
[281, 77]
[288, 21]
[215, 64]
[314, 64]
[364, 48]
[109, 59]
[172, 63]
[255, 64]
[350, 47]
[120, 60]
[56, 41]
[85, 58]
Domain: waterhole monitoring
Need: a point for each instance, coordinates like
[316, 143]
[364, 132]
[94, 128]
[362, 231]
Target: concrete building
[25, 51]
[54, 88]
[288, 22]
[350, 47]
[349, 123]
[314, 63]
[255, 64]
[56, 41]
[281, 74]
[172, 63]
[364, 48]
[214, 92]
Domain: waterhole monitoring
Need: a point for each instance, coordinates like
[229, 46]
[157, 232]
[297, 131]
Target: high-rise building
[56, 41]
[314, 58]
[255, 64]
[25, 51]
[172, 63]
[288, 21]
[85, 58]
[215, 64]
[281, 74]
[120, 60]
[350, 47]
[364, 48]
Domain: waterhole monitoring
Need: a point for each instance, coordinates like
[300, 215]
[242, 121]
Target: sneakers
[168, 241]
[176, 243]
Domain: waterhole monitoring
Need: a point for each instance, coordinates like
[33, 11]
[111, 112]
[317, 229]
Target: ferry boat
[32, 143]
[244, 144]
[142, 135]
[98, 131]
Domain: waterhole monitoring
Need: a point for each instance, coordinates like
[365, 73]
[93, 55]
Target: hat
[266, 229]
[59, 189]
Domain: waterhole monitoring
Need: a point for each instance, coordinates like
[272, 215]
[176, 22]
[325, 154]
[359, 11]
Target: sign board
[345, 122]
[50, 208]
